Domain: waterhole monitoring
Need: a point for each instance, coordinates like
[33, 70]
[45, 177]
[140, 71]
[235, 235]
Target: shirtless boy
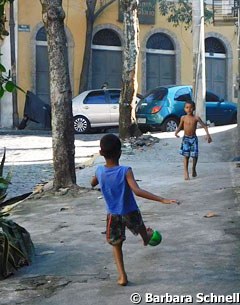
[189, 146]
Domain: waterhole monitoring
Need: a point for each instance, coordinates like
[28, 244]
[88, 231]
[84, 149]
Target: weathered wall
[30, 14]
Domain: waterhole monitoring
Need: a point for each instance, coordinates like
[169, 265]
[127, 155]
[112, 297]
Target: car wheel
[81, 124]
[170, 124]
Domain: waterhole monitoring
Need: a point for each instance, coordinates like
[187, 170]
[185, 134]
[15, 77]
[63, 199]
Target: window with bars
[160, 41]
[106, 37]
[214, 45]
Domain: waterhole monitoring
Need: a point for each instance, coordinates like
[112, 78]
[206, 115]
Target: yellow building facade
[165, 51]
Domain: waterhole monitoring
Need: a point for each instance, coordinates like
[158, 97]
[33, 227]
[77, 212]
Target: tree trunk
[91, 16]
[84, 77]
[237, 145]
[199, 74]
[13, 64]
[127, 117]
[61, 95]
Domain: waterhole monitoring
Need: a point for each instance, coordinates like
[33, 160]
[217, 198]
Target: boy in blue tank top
[118, 184]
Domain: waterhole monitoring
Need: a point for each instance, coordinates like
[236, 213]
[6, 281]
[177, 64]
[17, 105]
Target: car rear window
[95, 97]
[157, 94]
[183, 95]
[211, 97]
[114, 96]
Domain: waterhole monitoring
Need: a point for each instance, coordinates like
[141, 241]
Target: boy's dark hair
[110, 146]
[191, 103]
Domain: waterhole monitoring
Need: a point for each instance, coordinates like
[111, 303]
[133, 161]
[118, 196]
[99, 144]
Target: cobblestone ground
[29, 158]
[26, 177]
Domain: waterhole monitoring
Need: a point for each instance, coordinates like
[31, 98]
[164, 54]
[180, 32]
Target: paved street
[199, 253]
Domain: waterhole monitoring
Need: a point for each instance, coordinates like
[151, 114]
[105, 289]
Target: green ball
[155, 239]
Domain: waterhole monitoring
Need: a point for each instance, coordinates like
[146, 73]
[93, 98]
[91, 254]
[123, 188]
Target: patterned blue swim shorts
[189, 146]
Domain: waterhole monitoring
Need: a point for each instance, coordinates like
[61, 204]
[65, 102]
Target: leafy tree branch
[180, 12]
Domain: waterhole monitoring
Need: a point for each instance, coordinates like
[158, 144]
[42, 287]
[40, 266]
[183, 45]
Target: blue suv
[162, 108]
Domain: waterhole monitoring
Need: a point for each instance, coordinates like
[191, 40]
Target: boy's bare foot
[194, 173]
[149, 235]
[122, 280]
[186, 177]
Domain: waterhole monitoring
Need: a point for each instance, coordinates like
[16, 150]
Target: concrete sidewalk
[198, 254]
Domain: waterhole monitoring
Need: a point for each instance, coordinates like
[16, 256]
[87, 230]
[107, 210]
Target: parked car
[162, 108]
[96, 108]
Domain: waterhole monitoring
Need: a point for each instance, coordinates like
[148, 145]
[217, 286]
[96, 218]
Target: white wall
[6, 108]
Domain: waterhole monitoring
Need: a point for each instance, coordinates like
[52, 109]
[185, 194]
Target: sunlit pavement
[200, 131]
[38, 149]
[27, 149]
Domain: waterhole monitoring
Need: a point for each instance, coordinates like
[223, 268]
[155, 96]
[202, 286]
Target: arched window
[214, 45]
[216, 67]
[42, 66]
[106, 59]
[106, 37]
[41, 34]
[160, 41]
[161, 61]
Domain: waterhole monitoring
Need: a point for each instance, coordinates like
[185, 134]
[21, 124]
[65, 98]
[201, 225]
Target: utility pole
[13, 64]
[199, 74]
[237, 149]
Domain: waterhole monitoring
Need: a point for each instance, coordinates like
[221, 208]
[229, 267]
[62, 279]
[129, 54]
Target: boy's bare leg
[146, 234]
[185, 162]
[118, 256]
[194, 173]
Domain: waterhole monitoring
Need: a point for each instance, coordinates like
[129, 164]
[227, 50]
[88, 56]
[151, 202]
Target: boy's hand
[176, 135]
[94, 181]
[170, 201]
[209, 139]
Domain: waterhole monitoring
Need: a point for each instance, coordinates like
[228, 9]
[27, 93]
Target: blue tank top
[115, 189]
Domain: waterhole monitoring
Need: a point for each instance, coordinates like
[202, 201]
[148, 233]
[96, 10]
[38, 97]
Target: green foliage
[3, 31]
[180, 12]
[2, 68]
[6, 84]
[4, 182]
[10, 86]
[16, 247]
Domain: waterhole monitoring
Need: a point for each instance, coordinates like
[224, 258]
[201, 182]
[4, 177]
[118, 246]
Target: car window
[211, 97]
[114, 96]
[95, 97]
[183, 95]
[157, 94]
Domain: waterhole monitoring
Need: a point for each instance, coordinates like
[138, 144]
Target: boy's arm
[94, 181]
[206, 129]
[145, 194]
[180, 127]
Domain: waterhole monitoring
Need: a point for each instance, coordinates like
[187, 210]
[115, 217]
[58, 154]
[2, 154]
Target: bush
[16, 247]
[4, 182]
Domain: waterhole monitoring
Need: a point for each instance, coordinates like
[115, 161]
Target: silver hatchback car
[96, 108]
